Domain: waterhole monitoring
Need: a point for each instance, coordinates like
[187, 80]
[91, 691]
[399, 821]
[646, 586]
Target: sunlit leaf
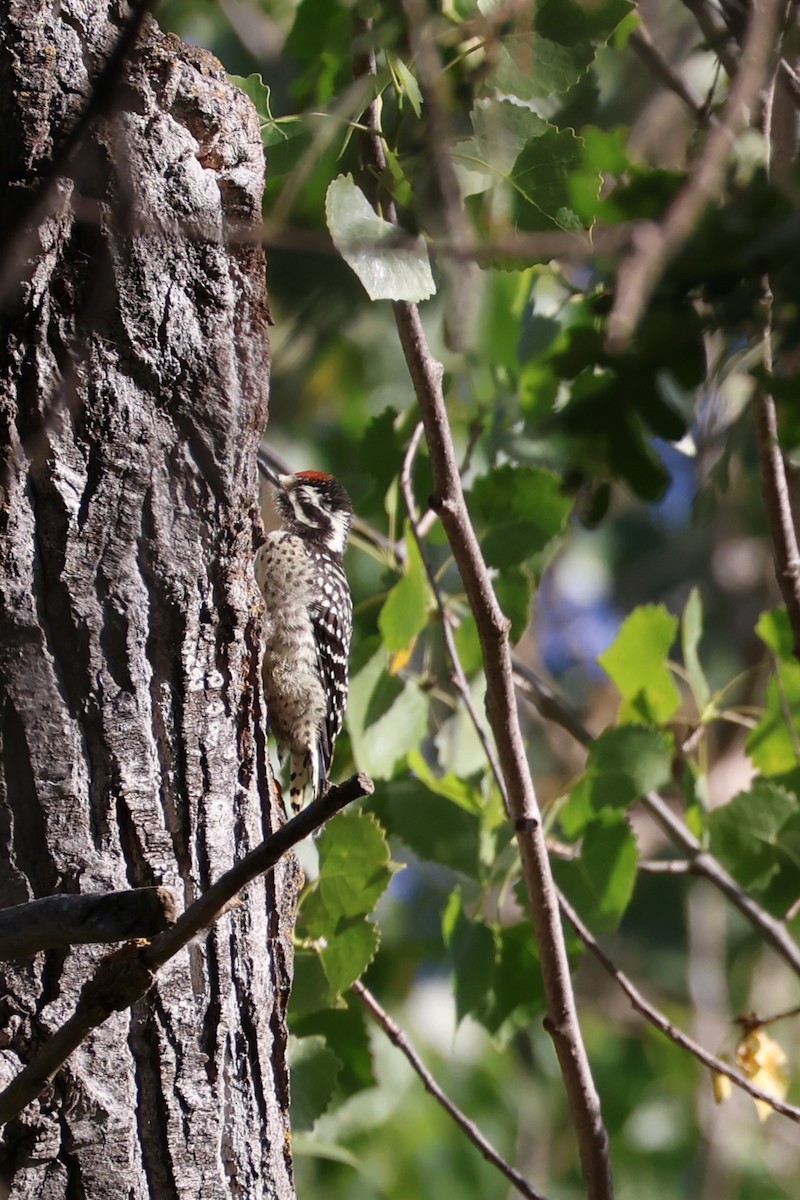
[757, 837]
[636, 661]
[691, 632]
[376, 250]
[385, 718]
[405, 611]
[354, 870]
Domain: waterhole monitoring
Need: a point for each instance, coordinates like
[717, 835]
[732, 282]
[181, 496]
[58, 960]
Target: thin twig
[460, 681]
[716, 35]
[657, 1018]
[120, 979]
[772, 462]
[448, 500]
[666, 866]
[433, 84]
[65, 920]
[639, 275]
[398, 1038]
[701, 861]
[647, 50]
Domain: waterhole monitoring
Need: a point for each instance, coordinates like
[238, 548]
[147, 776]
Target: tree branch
[772, 462]
[460, 681]
[701, 862]
[57, 921]
[660, 1021]
[122, 978]
[448, 500]
[649, 53]
[398, 1038]
[639, 275]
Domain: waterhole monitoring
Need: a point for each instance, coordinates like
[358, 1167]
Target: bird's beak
[271, 475]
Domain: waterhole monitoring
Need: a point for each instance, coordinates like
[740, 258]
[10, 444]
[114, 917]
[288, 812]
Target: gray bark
[133, 384]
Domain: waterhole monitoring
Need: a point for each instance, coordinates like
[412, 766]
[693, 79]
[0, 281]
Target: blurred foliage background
[618, 502]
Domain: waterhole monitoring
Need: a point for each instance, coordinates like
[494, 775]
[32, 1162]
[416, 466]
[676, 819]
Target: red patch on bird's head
[320, 476]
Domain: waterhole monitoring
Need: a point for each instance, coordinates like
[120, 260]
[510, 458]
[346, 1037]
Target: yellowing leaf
[763, 1061]
[401, 658]
[722, 1087]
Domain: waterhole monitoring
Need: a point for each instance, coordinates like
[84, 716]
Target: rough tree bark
[133, 381]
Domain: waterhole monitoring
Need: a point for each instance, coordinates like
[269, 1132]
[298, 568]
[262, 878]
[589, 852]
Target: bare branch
[75, 920]
[433, 85]
[657, 245]
[660, 1021]
[715, 33]
[123, 978]
[649, 53]
[448, 500]
[777, 502]
[772, 462]
[398, 1038]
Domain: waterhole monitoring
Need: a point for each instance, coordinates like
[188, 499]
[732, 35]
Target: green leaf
[314, 1070]
[347, 955]
[600, 882]
[775, 631]
[385, 718]
[354, 871]
[345, 1032]
[549, 171]
[551, 56]
[624, 763]
[774, 745]
[434, 827]
[514, 590]
[524, 508]
[757, 837]
[375, 249]
[691, 632]
[473, 952]
[311, 990]
[405, 611]
[517, 995]
[406, 84]
[468, 643]
[636, 661]
[258, 92]
[462, 792]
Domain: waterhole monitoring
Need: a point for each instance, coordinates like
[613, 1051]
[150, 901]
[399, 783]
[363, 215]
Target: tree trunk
[133, 385]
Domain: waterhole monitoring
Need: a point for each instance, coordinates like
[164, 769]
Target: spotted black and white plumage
[308, 624]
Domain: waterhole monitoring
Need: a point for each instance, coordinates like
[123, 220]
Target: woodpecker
[308, 623]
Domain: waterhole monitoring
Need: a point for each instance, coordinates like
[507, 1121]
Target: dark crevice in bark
[209, 1032]
[151, 1112]
[114, 636]
[52, 973]
[139, 871]
[166, 635]
[31, 847]
[75, 1189]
